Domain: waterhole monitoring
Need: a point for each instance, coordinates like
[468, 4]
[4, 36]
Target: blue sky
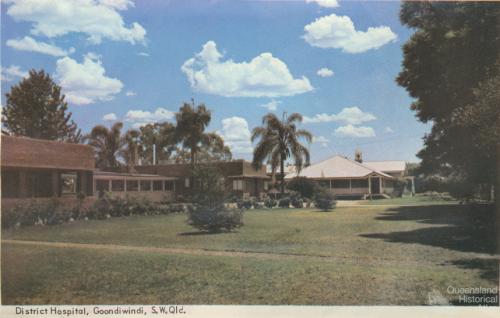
[138, 61]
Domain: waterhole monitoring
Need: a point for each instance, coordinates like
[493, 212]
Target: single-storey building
[352, 178]
[240, 177]
[35, 168]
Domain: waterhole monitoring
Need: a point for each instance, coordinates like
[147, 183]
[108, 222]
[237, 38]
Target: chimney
[358, 156]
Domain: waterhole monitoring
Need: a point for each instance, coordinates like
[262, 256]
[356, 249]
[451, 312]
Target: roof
[117, 175]
[337, 167]
[386, 166]
[46, 154]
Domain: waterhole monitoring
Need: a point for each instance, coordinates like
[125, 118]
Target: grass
[414, 200]
[369, 255]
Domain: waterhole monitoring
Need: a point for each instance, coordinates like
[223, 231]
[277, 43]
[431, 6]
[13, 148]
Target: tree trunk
[282, 173]
[193, 156]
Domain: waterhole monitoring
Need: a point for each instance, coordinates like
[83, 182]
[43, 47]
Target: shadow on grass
[196, 233]
[464, 228]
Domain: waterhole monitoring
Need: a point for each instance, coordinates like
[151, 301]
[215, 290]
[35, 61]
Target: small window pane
[187, 183]
[145, 185]
[117, 185]
[102, 185]
[169, 185]
[68, 184]
[340, 184]
[158, 185]
[132, 185]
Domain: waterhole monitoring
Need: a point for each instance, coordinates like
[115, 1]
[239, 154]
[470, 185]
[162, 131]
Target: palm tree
[108, 144]
[190, 129]
[279, 140]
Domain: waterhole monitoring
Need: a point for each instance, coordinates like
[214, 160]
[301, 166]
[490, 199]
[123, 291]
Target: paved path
[262, 255]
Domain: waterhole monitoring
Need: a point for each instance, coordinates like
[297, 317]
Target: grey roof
[337, 167]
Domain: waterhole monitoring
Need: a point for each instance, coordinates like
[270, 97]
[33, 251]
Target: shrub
[209, 213]
[247, 203]
[270, 203]
[325, 200]
[306, 187]
[284, 202]
[215, 220]
[296, 199]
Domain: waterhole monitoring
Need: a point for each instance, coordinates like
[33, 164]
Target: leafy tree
[109, 144]
[214, 149]
[455, 47]
[160, 134]
[36, 108]
[131, 150]
[279, 140]
[306, 187]
[190, 128]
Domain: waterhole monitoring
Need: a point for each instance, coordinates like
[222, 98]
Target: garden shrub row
[51, 212]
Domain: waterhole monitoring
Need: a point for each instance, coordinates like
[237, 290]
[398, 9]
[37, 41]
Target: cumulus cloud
[355, 132]
[86, 83]
[338, 32]
[10, 73]
[130, 93]
[29, 44]
[236, 134]
[388, 130]
[97, 19]
[272, 105]
[263, 76]
[110, 117]
[143, 54]
[348, 115]
[322, 140]
[140, 118]
[324, 72]
[325, 3]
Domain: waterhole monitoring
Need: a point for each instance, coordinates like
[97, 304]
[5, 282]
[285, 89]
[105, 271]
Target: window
[363, 183]
[169, 185]
[238, 185]
[266, 185]
[157, 185]
[117, 185]
[68, 183]
[102, 185]
[132, 185]
[187, 183]
[340, 184]
[145, 185]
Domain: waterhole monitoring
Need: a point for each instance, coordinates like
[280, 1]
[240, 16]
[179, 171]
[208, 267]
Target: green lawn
[358, 255]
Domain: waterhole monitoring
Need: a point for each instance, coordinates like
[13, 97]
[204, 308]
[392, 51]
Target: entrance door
[375, 185]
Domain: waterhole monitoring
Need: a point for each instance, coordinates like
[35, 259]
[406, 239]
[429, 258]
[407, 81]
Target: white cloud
[355, 132]
[143, 54]
[109, 117]
[348, 115]
[86, 83]
[339, 32]
[130, 93]
[324, 72]
[325, 3]
[263, 76]
[272, 105]
[10, 73]
[322, 140]
[140, 118]
[388, 130]
[97, 19]
[29, 44]
[236, 134]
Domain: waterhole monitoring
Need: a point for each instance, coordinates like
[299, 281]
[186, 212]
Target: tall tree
[279, 140]
[130, 153]
[190, 129]
[162, 137]
[454, 48]
[36, 108]
[109, 145]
